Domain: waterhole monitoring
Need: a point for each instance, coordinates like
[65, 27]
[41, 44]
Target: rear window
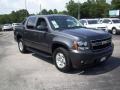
[116, 21]
[92, 21]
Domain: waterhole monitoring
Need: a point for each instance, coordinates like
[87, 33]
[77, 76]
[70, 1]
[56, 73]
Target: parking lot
[33, 72]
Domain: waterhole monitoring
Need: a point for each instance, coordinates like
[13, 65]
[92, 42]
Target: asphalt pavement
[33, 72]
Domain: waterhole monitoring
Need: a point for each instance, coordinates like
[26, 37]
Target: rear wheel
[21, 46]
[61, 60]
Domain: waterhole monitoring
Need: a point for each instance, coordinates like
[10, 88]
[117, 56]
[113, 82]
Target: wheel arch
[18, 37]
[56, 45]
[113, 28]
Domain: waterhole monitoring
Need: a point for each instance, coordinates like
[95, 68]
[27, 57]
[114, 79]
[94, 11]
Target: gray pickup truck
[65, 40]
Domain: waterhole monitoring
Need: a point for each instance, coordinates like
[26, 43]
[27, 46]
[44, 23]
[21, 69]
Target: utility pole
[26, 7]
[25, 4]
[78, 9]
[40, 9]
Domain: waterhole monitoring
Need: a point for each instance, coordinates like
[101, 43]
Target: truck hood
[89, 34]
[116, 25]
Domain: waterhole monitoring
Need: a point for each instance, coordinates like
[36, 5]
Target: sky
[33, 6]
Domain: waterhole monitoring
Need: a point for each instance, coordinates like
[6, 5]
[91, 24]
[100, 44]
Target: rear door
[29, 34]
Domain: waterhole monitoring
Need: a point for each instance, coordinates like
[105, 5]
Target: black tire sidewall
[67, 68]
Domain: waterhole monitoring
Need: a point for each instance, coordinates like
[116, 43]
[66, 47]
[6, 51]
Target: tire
[62, 60]
[21, 46]
[114, 31]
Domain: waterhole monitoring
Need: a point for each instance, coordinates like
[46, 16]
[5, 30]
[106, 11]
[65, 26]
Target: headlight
[81, 45]
[117, 27]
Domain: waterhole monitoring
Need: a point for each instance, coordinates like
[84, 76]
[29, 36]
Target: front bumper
[86, 58]
[7, 28]
[110, 30]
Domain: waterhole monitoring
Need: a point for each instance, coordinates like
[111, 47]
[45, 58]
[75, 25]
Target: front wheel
[21, 46]
[114, 31]
[61, 60]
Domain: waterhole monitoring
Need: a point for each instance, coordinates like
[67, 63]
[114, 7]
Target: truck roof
[90, 19]
[110, 18]
[50, 15]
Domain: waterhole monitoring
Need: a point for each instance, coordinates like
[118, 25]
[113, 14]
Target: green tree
[14, 17]
[115, 4]
[63, 12]
[5, 19]
[89, 9]
[50, 12]
[21, 15]
[72, 8]
[44, 12]
[55, 11]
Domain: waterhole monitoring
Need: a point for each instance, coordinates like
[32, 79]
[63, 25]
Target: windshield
[116, 21]
[92, 21]
[16, 23]
[64, 22]
[7, 25]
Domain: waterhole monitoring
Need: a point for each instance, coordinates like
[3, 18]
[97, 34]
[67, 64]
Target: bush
[1, 28]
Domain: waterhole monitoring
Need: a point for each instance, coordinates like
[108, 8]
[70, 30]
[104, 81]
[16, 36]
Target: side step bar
[39, 52]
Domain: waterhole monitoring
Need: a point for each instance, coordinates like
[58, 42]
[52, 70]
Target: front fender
[63, 41]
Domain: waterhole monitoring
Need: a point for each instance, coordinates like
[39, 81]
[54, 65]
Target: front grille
[102, 28]
[100, 44]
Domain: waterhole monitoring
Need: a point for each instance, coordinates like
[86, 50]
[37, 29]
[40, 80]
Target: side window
[31, 22]
[23, 22]
[83, 22]
[100, 21]
[71, 23]
[41, 24]
[106, 21]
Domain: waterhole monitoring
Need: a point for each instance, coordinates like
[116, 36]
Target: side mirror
[42, 28]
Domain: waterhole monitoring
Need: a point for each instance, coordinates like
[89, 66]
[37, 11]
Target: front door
[42, 35]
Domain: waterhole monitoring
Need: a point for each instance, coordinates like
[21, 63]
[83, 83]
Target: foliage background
[88, 9]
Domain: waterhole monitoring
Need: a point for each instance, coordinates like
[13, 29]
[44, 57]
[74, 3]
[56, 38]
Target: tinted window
[83, 22]
[106, 21]
[64, 22]
[116, 21]
[100, 21]
[31, 22]
[92, 21]
[41, 23]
